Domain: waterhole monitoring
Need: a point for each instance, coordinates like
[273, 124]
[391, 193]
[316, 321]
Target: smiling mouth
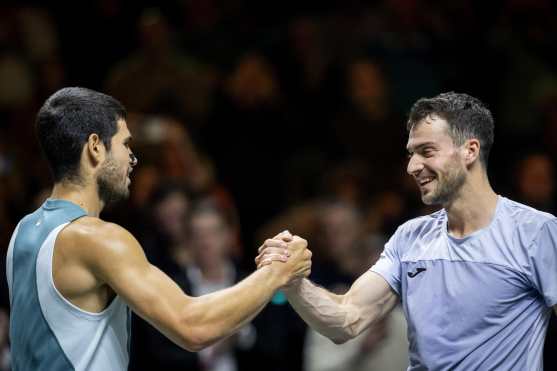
[425, 180]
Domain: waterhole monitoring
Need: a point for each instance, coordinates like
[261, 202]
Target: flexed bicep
[369, 300]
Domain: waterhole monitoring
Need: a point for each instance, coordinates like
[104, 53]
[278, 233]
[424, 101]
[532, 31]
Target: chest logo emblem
[418, 271]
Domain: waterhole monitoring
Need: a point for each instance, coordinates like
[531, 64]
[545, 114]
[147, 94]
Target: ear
[471, 150]
[95, 149]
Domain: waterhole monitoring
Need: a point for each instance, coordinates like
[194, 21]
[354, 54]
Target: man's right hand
[291, 260]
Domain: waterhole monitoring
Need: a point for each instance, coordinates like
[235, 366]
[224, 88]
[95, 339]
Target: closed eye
[127, 142]
[428, 152]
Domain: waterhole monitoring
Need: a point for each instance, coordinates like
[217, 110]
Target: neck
[472, 209]
[86, 196]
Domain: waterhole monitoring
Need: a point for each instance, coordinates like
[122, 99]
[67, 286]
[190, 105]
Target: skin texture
[458, 183]
[95, 260]
[432, 155]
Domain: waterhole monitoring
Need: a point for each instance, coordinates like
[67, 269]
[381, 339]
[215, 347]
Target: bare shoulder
[90, 237]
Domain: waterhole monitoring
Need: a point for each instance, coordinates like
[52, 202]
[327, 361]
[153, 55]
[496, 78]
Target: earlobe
[95, 148]
[472, 150]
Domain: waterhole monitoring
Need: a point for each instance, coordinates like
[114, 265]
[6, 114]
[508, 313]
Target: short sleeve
[543, 262]
[388, 266]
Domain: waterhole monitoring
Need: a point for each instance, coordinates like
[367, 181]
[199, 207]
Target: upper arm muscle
[118, 260]
[370, 299]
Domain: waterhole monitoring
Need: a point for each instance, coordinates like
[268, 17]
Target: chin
[431, 199]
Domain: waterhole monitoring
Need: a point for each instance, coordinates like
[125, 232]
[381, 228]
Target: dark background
[270, 106]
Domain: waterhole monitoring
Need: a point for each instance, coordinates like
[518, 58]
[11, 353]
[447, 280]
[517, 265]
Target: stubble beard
[447, 189]
[111, 187]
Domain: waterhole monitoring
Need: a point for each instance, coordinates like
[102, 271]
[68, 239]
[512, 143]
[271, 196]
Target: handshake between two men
[289, 249]
[338, 317]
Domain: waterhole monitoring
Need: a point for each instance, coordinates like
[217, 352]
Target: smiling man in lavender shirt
[477, 279]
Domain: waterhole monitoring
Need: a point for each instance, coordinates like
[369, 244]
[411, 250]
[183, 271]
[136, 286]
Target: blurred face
[211, 238]
[366, 83]
[340, 229]
[113, 179]
[435, 162]
[536, 179]
[170, 214]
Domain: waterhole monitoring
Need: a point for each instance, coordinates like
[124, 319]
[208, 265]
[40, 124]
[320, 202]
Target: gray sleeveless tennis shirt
[47, 332]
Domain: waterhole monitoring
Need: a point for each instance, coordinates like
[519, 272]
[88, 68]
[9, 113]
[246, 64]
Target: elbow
[349, 328]
[194, 346]
[341, 338]
[194, 333]
[339, 341]
[194, 341]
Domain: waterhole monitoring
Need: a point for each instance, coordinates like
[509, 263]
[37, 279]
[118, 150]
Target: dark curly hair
[466, 116]
[65, 122]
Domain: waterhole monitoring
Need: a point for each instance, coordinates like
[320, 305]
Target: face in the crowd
[435, 161]
[170, 214]
[113, 179]
[210, 236]
[339, 229]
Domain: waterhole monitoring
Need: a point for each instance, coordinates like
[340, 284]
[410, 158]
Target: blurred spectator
[525, 33]
[18, 83]
[535, 182]
[212, 236]
[248, 108]
[166, 152]
[549, 130]
[166, 245]
[348, 181]
[159, 78]
[166, 240]
[342, 252]
[4, 341]
[366, 128]
[280, 339]
[336, 245]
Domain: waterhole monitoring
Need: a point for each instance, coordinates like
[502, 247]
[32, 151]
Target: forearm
[215, 316]
[324, 311]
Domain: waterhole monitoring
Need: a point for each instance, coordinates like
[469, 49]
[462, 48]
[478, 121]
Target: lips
[425, 180]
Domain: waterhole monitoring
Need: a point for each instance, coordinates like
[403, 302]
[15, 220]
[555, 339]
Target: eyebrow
[420, 146]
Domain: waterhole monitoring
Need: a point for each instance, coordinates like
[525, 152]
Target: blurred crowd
[253, 117]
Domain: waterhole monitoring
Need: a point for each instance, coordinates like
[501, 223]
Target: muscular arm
[343, 317]
[118, 261]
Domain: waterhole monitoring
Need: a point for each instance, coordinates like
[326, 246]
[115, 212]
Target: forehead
[122, 131]
[207, 218]
[431, 129]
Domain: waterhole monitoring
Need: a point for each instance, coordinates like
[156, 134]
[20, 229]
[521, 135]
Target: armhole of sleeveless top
[44, 272]
[9, 262]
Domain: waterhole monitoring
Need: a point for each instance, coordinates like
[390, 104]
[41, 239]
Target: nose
[133, 160]
[414, 165]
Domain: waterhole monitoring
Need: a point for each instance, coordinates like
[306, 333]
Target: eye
[428, 152]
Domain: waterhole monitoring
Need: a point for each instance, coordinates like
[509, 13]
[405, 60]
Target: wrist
[274, 277]
[293, 287]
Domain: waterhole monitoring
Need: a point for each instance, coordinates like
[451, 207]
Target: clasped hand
[290, 254]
